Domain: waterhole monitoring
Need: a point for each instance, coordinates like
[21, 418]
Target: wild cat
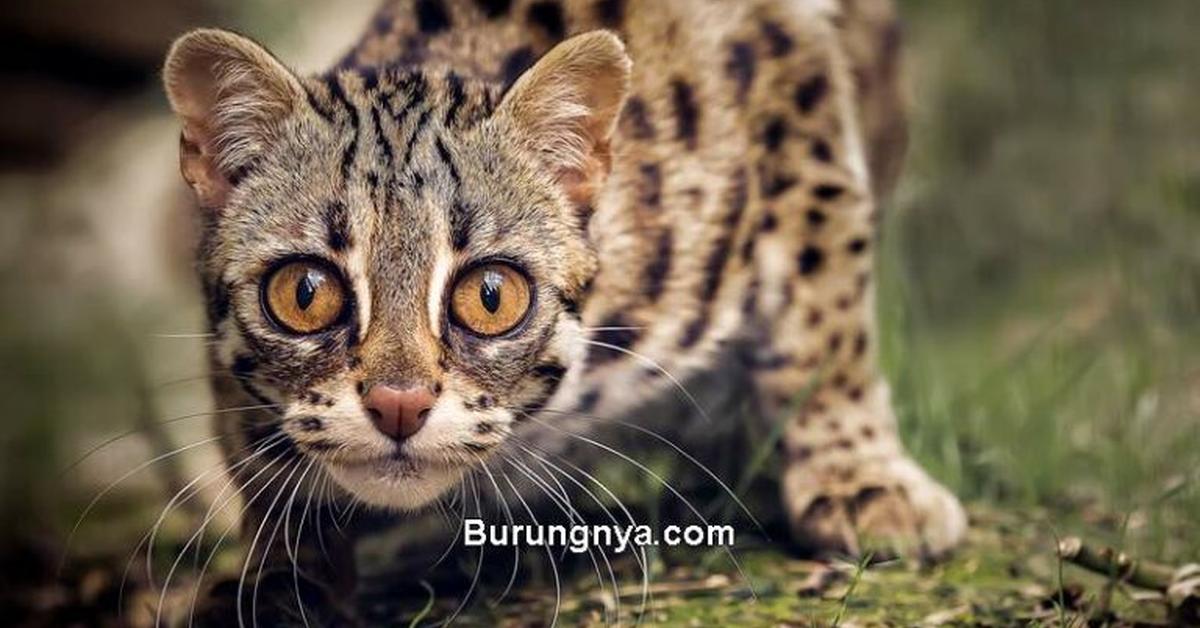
[491, 216]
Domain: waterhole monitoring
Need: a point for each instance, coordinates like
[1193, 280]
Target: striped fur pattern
[717, 199]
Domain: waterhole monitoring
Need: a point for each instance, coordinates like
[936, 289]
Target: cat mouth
[398, 480]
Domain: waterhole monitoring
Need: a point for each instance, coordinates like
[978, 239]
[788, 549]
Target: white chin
[395, 486]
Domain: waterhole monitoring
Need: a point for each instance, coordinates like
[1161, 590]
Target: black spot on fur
[779, 43]
[610, 13]
[638, 119]
[774, 133]
[828, 191]
[588, 400]
[815, 217]
[713, 267]
[739, 195]
[310, 424]
[494, 8]
[515, 64]
[741, 67]
[432, 17]
[772, 183]
[694, 331]
[659, 266]
[550, 371]
[549, 16]
[243, 366]
[483, 428]
[218, 301]
[860, 344]
[809, 93]
[337, 226]
[769, 222]
[319, 446]
[617, 331]
[650, 193]
[857, 245]
[821, 151]
[835, 341]
[810, 260]
[687, 114]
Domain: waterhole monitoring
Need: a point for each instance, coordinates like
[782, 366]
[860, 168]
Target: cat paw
[885, 508]
[283, 599]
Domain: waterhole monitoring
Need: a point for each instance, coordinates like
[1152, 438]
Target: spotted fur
[698, 179]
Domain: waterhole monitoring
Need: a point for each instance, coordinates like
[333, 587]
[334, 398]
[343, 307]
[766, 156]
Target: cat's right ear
[230, 95]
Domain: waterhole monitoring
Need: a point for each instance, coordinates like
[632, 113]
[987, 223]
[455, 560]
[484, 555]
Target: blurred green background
[1040, 274]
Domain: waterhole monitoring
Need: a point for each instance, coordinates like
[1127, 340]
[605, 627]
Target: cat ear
[565, 108]
[230, 94]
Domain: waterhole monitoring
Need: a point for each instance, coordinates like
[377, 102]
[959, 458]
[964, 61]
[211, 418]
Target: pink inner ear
[199, 169]
[581, 182]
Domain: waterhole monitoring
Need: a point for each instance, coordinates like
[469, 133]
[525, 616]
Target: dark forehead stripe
[317, 106]
[461, 219]
[432, 16]
[413, 88]
[454, 86]
[414, 135]
[687, 114]
[339, 96]
[337, 226]
[444, 154]
[381, 139]
[548, 15]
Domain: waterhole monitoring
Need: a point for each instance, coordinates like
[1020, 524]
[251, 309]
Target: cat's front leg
[285, 580]
[847, 484]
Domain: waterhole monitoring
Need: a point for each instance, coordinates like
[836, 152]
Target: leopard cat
[491, 215]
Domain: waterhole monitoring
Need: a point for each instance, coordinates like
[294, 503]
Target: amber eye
[304, 297]
[490, 299]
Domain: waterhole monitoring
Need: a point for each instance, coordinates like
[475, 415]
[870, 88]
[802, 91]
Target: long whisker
[564, 504]
[661, 481]
[218, 505]
[549, 554]
[138, 430]
[286, 510]
[639, 555]
[668, 442]
[254, 544]
[478, 566]
[118, 481]
[229, 528]
[512, 577]
[658, 367]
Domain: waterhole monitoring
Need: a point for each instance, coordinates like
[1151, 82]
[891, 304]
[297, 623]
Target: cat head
[394, 260]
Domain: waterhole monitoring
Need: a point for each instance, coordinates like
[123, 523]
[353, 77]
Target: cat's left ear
[565, 108]
[231, 95]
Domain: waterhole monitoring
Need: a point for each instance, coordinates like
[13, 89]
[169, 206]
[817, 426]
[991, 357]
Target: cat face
[393, 262]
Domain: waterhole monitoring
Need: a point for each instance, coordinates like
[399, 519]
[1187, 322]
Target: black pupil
[489, 290]
[306, 289]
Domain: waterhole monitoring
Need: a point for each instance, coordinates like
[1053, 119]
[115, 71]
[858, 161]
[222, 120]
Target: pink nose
[399, 413]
